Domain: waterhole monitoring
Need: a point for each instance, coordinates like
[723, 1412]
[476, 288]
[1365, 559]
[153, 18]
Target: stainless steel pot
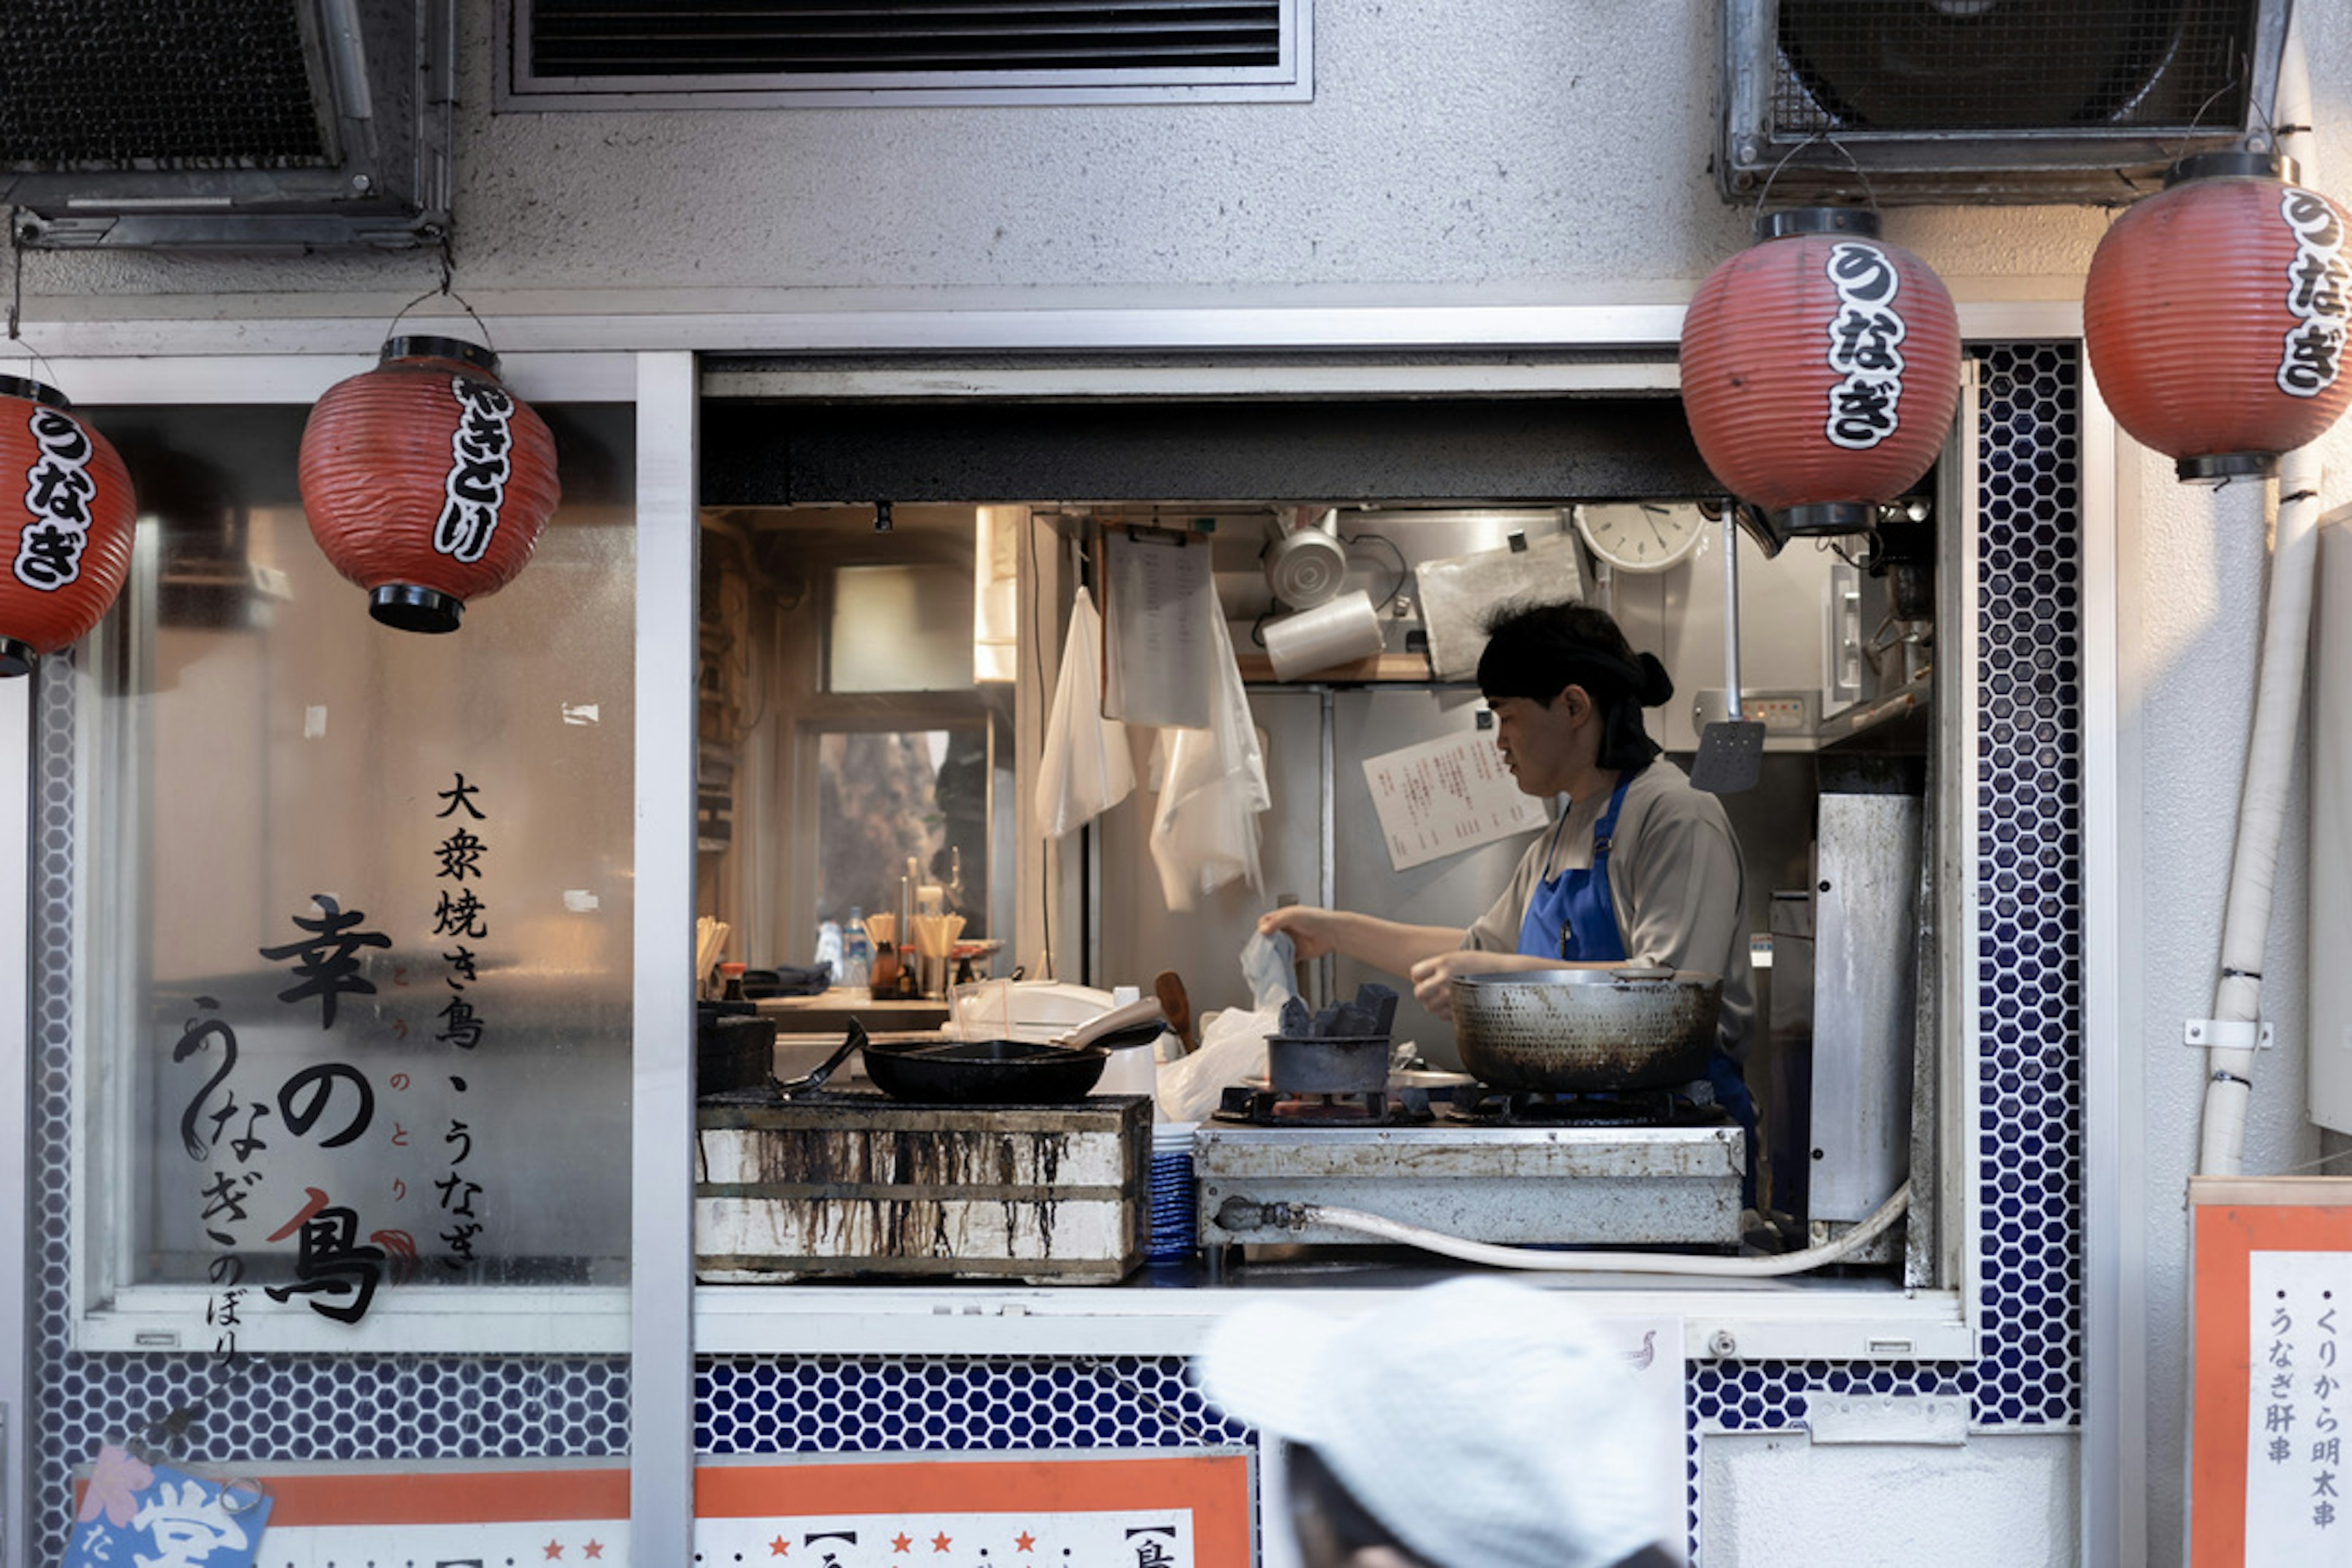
[1580, 1030]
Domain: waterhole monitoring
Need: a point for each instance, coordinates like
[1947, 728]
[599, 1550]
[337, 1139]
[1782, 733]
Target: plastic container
[856, 952]
[1175, 1193]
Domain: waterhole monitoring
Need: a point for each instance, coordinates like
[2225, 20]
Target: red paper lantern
[1820, 368]
[426, 482]
[2215, 314]
[74, 511]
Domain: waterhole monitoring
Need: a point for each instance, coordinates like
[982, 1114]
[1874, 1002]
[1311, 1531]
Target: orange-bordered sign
[1121, 1508]
[2270, 1421]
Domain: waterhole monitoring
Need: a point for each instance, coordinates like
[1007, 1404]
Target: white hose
[2270, 749]
[1607, 1262]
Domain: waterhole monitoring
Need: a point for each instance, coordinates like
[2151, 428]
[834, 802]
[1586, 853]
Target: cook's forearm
[1390, 945]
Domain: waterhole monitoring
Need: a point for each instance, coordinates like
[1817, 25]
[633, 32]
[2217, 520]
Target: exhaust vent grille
[273, 126]
[1873, 65]
[565, 54]
[1997, 100]
[100, 84]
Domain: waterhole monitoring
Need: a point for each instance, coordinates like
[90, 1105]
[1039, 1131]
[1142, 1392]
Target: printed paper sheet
[1445, 795]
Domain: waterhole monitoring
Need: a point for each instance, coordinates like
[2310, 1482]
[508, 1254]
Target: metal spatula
[1731, 751]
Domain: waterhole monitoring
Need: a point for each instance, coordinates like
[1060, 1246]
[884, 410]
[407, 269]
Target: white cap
[1483, 1422]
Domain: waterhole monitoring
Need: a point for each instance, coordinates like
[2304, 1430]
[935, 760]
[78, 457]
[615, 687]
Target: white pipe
[1539, 1260]
[2270, 749]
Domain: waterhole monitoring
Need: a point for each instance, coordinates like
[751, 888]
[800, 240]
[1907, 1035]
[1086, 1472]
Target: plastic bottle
[828, 949]
[856, 950]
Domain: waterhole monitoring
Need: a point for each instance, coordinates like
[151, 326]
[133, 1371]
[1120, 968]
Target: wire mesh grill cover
[1911, 66]
[149, 85]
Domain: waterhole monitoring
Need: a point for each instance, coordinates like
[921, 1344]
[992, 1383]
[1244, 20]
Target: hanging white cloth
[1206, 834]
[1086, 768]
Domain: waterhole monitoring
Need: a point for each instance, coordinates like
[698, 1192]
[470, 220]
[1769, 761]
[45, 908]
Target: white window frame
[109, 1311]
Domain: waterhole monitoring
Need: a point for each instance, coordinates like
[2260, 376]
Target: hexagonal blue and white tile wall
[2027, 1114]
[2028, 956]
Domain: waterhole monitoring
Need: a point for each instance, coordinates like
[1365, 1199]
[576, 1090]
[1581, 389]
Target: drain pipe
[2232, 1029]
[1239, 1214]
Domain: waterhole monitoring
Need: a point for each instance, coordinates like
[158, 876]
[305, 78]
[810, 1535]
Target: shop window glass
[900, 628]
[355, 958]
[888, 797]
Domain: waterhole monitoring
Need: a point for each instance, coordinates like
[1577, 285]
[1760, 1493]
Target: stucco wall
[1528, 148]
[1496, 150]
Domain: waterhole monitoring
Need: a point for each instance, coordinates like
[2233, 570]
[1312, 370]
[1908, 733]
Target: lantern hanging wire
[1870, 195]
[446, 290]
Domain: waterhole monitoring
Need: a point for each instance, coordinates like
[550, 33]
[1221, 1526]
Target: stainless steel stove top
[1475, 1165]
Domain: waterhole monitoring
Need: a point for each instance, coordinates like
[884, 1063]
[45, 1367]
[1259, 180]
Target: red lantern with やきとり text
[70, 500]
[2215, 314]
[426, 482]
[1820, 368]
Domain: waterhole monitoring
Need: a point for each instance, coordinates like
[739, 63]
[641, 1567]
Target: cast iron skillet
[979, 1072]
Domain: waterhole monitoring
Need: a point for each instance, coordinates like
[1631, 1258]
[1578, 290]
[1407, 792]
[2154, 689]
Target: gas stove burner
[1257, 1107]
[1332, 1108]
[1690, 1105]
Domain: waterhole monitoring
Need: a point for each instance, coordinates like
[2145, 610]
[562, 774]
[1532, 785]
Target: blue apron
[1571, 917]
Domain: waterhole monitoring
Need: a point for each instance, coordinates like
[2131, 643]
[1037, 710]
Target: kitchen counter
[829, 1013]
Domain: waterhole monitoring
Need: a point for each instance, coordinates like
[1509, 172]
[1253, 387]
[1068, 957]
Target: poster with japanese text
[2272, 1322]
[1050, 1509]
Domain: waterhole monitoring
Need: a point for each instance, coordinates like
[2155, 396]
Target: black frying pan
[981, 1072]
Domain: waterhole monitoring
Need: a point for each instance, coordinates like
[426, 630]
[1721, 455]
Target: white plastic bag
[1233, 1050]
[1085, 769]
[1205, 833]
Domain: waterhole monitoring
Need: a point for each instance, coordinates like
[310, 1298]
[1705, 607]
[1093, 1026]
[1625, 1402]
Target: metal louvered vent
[609, 54]
[2017, 101]
[167, 88]
[269, 125]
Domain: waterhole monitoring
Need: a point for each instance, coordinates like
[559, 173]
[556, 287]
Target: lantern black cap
[2228, 165]
[15, 658]
[33, 392]
[425, 347]
[2219, 468]
[1858, 221]
[414, 609]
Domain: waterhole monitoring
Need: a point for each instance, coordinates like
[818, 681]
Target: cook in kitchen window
[1640, 867]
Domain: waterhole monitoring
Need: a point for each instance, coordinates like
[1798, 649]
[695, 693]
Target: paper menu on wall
[1446, 795]
[1159, 596]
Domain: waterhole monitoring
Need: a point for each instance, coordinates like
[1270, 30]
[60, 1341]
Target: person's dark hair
[1534, 650]
[1353, 1528]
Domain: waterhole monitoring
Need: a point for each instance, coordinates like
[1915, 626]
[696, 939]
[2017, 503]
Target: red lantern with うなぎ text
[426, 482]
[2215, 314]
[72, 545]
[1820, 368]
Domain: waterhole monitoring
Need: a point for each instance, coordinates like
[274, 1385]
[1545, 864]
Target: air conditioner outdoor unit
[2084, 101]
[269, 126]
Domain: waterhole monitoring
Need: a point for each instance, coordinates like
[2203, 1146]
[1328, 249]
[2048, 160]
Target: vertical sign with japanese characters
[2273, 1310]
[2301, 1308]
[364, 1141]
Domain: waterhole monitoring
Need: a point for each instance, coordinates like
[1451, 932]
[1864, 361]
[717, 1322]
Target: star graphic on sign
[939, 1542]
[553, 1550]
[594, 1548]
[780, 1547]
[901, 1541]
[1025, 1541]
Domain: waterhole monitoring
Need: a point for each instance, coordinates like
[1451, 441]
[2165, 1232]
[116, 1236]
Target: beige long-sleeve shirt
[1675, 880]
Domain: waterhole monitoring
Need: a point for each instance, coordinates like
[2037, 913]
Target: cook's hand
[1308, 928]
[1433, 978]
